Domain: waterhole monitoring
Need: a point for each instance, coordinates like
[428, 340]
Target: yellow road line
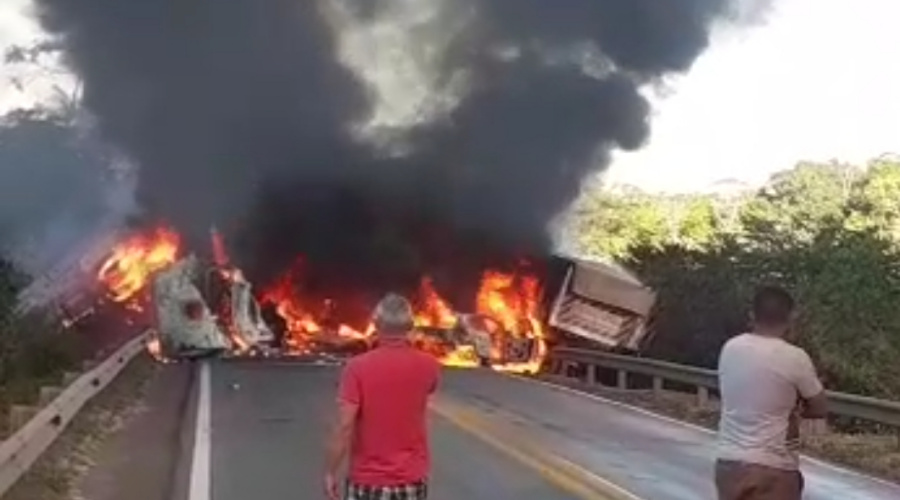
[558, 471]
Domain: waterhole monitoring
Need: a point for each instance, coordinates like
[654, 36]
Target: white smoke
[398, 53]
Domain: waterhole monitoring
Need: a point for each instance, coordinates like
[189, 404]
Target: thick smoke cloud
[55, 187]
[242, 114]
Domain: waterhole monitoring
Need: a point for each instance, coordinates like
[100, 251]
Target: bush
[33, 350]
[830, 233]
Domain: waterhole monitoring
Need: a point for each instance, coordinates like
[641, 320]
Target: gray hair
[393, 314]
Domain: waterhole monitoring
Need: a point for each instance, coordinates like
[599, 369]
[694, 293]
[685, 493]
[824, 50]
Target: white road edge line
[704, 430]
[201, 486]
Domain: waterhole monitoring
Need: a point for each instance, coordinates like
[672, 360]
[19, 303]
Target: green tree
[796, 203]
[875, 204]
[608, 225]
[848, 285]
[829, 232]
[32, 351]
[697, 227]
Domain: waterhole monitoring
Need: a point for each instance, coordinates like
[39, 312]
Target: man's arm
[341, 436]
[349, 398]
[815, 407]
[815, 403]
[436, 381]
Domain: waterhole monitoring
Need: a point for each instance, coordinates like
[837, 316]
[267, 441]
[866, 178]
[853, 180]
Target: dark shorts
[744, 481]
[413, 491]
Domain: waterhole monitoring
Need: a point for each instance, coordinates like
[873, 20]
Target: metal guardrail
[840, 403]
[19, 452]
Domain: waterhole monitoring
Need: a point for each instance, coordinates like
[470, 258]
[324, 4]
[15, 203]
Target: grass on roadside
[56, 473]
[33, 353]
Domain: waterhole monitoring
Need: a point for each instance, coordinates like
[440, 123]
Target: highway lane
[493, 437]
[268, 423]
[653, 458]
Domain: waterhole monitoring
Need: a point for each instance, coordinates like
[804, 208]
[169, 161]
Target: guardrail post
[817, 427]
[19, 415]
[657, 385]
[702, 396]
[555, 366]
[622, 379]
[69, 377]
[48, 394]
[591, 374]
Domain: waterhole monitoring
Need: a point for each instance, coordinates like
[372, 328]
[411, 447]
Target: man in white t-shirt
[767, 386]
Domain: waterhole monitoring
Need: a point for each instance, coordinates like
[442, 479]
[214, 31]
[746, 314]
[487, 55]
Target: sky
[17, 28]
[816, 81]
[819, 81]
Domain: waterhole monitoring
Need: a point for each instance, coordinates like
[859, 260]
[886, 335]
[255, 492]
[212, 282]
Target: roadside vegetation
[830, 232]
[33, 351]
[49, 173]
[59, 473]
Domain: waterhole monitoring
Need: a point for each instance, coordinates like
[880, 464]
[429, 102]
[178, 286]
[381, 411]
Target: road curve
[651, 457]
[261, 428]
[244, 429]
[267, 423]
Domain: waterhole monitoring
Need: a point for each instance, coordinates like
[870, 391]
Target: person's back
[393, 382]
[764, 382]
[760, 380]
[383, 405]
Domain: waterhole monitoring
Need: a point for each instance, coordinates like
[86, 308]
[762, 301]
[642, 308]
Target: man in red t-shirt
[383, 402]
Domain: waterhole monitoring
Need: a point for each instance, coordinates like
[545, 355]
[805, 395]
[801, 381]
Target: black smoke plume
[240, 113]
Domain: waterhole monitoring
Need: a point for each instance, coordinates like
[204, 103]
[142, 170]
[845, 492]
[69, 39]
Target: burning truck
[209, 308]
[206, 310]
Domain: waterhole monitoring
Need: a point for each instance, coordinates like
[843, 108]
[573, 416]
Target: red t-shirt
[391, 385]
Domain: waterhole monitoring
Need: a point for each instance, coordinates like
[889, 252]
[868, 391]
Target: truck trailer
[595, 304]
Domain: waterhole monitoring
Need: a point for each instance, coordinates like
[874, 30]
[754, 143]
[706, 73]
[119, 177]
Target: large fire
[506, 310]
[133, 262]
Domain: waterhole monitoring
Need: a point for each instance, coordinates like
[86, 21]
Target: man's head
[773, 310]
[393, 316]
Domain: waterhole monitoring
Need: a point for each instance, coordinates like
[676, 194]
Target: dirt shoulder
[878, 455]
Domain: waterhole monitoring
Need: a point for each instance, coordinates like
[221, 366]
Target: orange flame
[133, 262]
[433, 311]
[512, 300]
[304, 317]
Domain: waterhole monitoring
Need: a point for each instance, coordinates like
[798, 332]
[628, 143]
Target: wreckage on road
[186, 325]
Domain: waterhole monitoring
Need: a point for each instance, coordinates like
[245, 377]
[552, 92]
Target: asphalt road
[493, 437]
[653, 458]
[268, 424]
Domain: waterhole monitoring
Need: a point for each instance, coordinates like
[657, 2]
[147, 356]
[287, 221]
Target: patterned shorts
[414, 491]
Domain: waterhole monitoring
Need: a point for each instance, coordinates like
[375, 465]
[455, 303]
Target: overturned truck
[586, 304]
[597, 305]
[205, 310]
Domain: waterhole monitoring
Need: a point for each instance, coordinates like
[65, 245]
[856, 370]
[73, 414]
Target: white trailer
[206, 312]
[602, 304]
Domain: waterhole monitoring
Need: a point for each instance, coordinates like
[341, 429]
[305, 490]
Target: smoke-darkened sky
[241, 113]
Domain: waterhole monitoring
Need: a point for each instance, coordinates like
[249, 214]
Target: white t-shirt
[760, 379]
